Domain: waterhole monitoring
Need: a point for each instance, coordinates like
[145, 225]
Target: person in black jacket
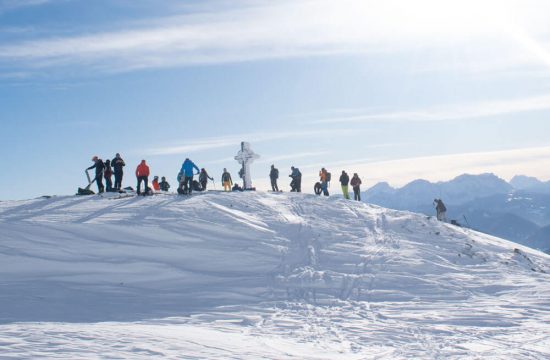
[344, 181]
[164, 186]
[99, 167]
[273, 176]
[203, 179]
[117, 164]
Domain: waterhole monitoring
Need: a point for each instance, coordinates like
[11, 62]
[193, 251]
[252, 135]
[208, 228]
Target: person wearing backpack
[356, 185]
[164, 186]
[203, 179]
[107, 175]
[273, 176]
[187, 169]
[226, 180]
[142, 175]
[296, 183]
[324, 177]
[99, 167]
[441, 210]
[117, 163]
[344, 182]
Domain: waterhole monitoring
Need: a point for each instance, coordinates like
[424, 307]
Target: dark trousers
[118, 180]
[99, 181]
[296, 185]
[203, 185]
[145, 182]
[188, 184]
[357, 193]
[108, 183]
[274, 186]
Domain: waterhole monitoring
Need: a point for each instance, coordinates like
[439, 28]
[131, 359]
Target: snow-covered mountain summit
[244, 275]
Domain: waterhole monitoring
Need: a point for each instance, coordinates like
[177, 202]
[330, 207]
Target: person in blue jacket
[187, 172]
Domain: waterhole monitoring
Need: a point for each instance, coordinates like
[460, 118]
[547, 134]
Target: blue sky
[394, 90]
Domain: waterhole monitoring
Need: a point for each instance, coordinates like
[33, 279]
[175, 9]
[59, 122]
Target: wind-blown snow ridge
[244, 275]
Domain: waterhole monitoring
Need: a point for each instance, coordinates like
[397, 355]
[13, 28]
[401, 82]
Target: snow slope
[250, 275]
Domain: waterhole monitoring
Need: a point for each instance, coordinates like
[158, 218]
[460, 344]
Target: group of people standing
[295, 175]
[187, 184]
[106, 170]
[322, 185]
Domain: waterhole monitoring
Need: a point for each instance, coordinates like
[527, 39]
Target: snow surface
[260, 275]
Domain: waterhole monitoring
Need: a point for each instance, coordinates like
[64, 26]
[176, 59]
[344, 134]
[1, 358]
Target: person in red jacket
[142, 174]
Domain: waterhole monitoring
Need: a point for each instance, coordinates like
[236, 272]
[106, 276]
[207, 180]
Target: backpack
[328, 176]
[276, 173]
[84, 191]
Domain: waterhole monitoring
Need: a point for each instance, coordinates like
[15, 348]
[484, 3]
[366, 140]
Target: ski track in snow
[260, 275]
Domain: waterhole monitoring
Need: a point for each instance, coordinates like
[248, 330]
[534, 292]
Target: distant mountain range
[518, 210]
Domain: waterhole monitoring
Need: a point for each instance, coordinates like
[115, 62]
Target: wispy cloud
[9, 5]
[234, 140]
[279, 29]
[446, 113]
[299, 155]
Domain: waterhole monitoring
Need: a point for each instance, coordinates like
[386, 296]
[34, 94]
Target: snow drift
[244, 275]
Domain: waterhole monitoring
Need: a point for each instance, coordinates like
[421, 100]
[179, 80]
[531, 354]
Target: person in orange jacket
[156, 185]
[142, 174]
[324, 177]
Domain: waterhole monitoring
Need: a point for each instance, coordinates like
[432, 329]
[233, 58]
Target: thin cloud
[279, 29]
[300, 155]
[234, 140]
[447, 113]
[9, 5]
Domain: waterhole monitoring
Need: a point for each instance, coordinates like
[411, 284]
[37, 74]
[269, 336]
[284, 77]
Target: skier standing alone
[99, 167]
[344, 181]
[441, 210]
[226, 180]
[273, 176]
[356, 184]
[117, 163]
[142, 174]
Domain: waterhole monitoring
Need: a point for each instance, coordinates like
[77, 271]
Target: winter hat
[95, 158]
